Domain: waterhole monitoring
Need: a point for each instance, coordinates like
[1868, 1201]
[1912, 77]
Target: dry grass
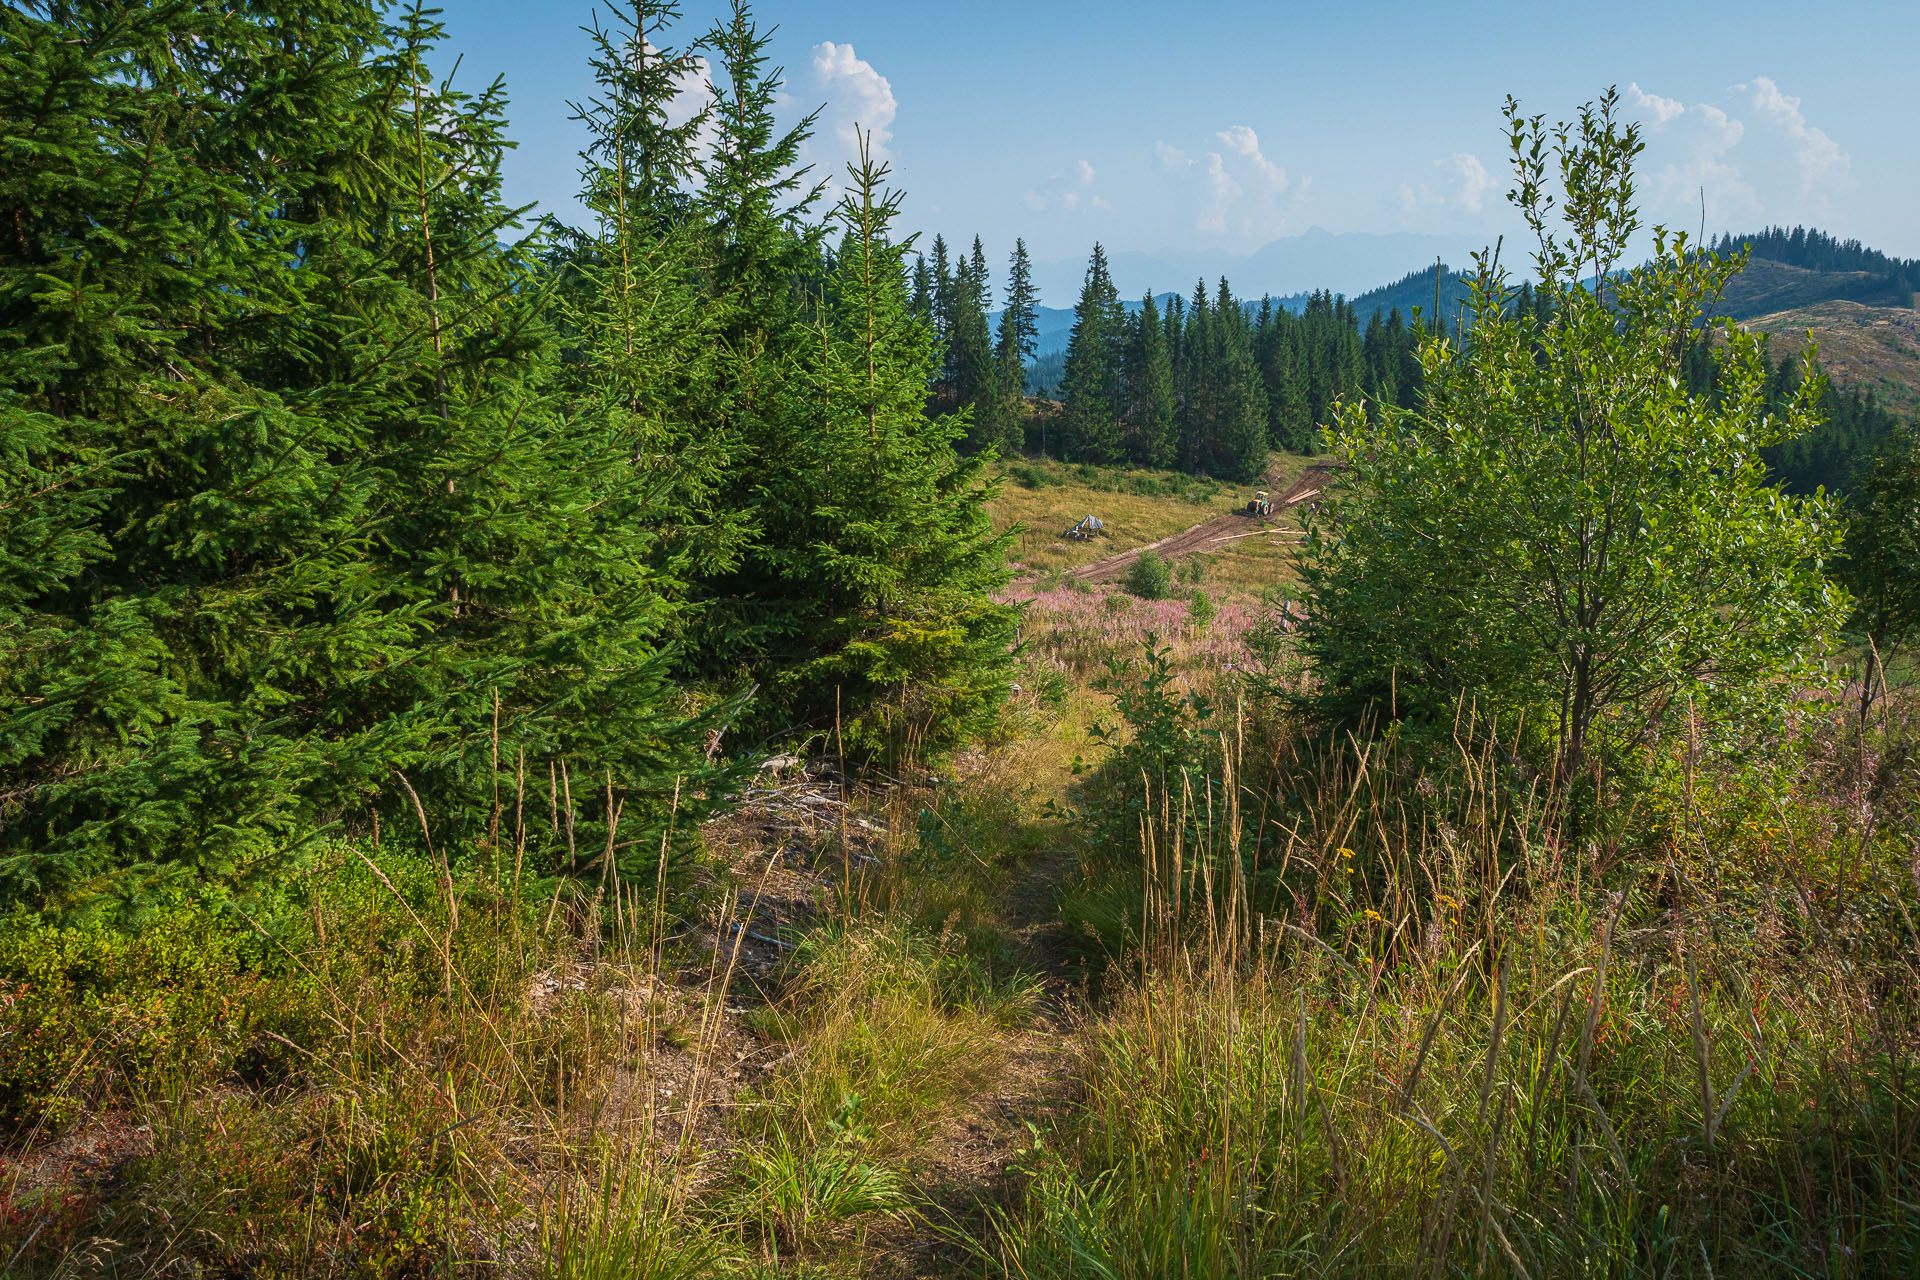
[1138, 506]
[1866, 348]
[1370, 1014]
[1363, 1012]
[409, 1071]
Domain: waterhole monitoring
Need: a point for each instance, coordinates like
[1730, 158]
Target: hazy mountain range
[1344, 262]
[1412, 290]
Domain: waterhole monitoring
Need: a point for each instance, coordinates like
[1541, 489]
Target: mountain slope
[1767, 288]
[1863, 320]
[1415, 289]
[1865, 347]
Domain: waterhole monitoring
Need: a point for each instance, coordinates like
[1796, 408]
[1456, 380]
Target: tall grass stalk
[1436, 1041]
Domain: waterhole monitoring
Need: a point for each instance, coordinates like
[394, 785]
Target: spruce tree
[1282, 364]
[763, 269]
[324, 506]
[1196, 426]
[1091, 384]
[1881, 561]
[1013, 348]
[1239, 399]
[944, 297]
[1149, 383]
[971, 350]
[905, 647]
[862, 593]
[641, 380]
[921, 302]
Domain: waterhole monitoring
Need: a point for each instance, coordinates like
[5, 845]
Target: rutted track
[1213, 533]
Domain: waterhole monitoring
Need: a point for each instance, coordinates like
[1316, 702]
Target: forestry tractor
[1259, 505]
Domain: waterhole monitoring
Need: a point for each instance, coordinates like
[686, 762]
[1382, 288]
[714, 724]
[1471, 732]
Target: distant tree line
[1814, 250]
[1206, 384]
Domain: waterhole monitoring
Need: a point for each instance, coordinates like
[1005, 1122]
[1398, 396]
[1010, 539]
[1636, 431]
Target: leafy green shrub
[90, 1006]
[93, 1011]
[310, 1071]
[1569, 581]
[1167, 742]
[1201, 609]
[1051, 688]
[1150, 577]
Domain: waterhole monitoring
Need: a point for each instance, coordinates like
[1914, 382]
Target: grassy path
[978, 1099]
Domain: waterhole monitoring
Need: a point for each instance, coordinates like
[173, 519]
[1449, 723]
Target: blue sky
[1217, 128]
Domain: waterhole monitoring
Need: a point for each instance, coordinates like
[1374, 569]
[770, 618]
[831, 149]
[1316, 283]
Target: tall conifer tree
[862, 595]
[972, 350]
[944, 295]
[905, 647]
[1149, 382]
[1240, 401]
[324, 505]
[1013, 348]
[1091, 385]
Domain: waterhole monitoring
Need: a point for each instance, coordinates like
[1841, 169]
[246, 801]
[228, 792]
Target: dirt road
[1211, 534]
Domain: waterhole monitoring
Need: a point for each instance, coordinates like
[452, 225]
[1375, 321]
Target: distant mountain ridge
[1415, 289]
[1806, 267]
[1767, 286]
[1345, 262]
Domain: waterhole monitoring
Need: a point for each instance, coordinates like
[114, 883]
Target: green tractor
[1259, 505]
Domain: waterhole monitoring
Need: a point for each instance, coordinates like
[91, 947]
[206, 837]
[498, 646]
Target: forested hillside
[1804, 266]
[1313, 350]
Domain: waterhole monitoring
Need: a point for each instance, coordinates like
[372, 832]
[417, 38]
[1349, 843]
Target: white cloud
[1222, 191]
[1463, 185]
[1473, 181]
[1661, 109]
[1703, 160]
[1170, 158]
[1689, 163]
[1823, 166]
[1238, 191]
[858, 100]
[1069, 193]
[1246, 142]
